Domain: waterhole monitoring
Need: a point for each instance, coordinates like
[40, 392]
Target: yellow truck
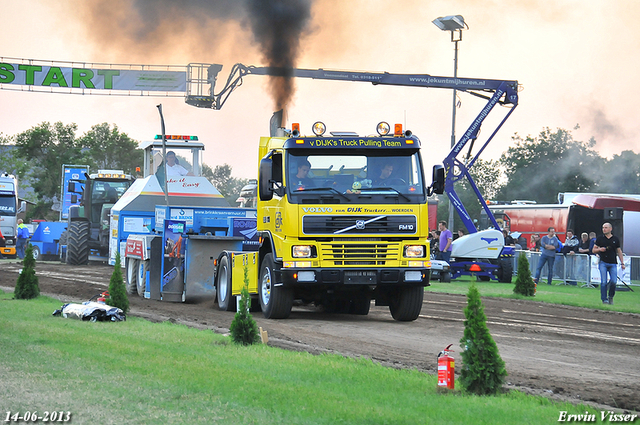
[342, 221]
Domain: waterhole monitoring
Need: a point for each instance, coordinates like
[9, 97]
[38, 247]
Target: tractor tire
[131, 268]
[276, 301]
[505, 271]
[224, 286]
[78, 243]
[405, 305]
[141, 276]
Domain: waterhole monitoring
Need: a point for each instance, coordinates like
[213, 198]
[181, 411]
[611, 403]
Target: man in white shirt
[174, 168]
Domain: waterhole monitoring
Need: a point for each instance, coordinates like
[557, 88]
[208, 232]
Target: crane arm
[238, 71]
[496, 92]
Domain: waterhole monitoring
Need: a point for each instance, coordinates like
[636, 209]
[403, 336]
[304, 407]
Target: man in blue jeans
[22, 239]
[608, 247]
[446, 237]
[548, 244]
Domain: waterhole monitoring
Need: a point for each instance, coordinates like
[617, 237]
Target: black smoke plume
[155, 31]
[278, 26]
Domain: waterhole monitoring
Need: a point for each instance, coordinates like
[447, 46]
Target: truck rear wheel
[131, 266]
[276, 301]
[223, 287]
[405, 305]
[78, 243]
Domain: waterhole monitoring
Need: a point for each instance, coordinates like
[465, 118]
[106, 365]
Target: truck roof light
[383, 128]
[319, 128]
[397, 132]
[176, 137]
[295, 129]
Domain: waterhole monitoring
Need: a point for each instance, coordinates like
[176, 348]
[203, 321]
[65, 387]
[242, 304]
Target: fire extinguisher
[102, 298]
[446, 368]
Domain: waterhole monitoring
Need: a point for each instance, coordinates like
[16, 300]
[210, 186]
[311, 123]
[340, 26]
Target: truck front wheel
[275, 300]
[406, 303]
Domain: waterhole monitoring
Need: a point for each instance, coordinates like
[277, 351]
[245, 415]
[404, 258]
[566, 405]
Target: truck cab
[343, 220]
[9, 211]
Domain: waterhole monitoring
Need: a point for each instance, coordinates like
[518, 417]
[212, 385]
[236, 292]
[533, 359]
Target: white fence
[580, 269]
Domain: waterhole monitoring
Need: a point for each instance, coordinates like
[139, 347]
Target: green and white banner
[92, 78]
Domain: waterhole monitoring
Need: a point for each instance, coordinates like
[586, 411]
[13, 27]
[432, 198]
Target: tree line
[538, 168]
[36, 157]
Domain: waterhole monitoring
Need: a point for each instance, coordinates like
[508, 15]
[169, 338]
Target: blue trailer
[46, 238]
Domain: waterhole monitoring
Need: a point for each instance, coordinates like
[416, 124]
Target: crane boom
[496, 92]
[238, 71]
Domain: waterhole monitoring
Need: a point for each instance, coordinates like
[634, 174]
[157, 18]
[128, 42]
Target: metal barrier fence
[578, 269]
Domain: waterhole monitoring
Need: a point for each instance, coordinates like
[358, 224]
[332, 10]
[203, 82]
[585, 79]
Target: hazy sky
[576, 60]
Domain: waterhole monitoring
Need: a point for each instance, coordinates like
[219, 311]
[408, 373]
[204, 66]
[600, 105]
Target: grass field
[151, 373]
[627, 301]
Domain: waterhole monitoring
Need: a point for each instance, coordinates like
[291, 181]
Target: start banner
[37, 75]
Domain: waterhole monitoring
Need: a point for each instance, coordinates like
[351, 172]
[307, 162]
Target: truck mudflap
[329, 276]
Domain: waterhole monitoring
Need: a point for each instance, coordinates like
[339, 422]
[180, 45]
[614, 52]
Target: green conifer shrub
[244, 330]
[483, 369]
[117, 290]
[27, 284]
[524, 282]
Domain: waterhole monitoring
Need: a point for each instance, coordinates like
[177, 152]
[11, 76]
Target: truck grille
[360, 254]
[354, 224]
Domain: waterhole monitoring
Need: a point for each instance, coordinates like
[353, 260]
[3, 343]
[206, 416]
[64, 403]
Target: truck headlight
[302, 251]
[414, 251]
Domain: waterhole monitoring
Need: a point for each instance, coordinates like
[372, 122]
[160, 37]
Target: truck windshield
[7, 205]
[368, 178]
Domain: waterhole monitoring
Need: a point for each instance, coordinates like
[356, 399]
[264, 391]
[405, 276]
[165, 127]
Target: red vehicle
[585, 213]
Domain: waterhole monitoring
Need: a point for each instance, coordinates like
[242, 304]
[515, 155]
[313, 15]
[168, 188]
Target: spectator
[571, 246]
[508, 240]
[2, 245]
[592, 241]
[549, 244]
[534, 243]
[608, 247]
[571, 243]
[23, 237]
[585, 244]
[446, 237]
[461, 233]
[435, 243]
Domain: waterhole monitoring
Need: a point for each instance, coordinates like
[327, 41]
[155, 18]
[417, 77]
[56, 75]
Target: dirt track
[566, 353]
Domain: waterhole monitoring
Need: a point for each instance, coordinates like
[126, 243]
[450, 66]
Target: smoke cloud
[182, 31]
[277, 26]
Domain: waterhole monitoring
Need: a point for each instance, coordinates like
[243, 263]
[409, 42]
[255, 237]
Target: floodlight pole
[453, 113]
[455, 24]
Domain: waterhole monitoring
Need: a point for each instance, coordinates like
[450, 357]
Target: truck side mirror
[437, 185]
[265, 175]
[23, 207]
